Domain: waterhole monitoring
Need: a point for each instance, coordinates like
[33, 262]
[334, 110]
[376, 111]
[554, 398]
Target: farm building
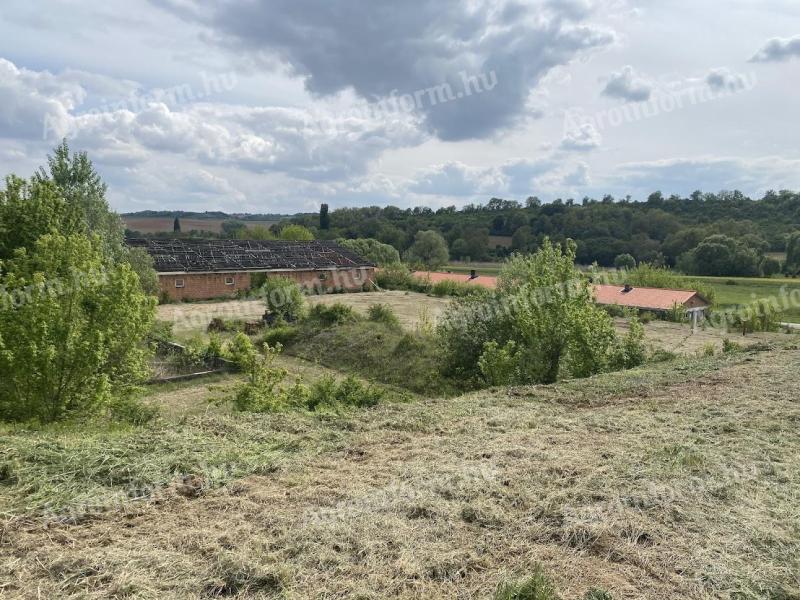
[203, 269]
[653, 299]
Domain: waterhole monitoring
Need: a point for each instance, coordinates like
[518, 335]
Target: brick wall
[204, 286]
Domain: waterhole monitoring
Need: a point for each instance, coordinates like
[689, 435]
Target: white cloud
[778, 50]
[628, 86]
[581, 139]
[723, 79]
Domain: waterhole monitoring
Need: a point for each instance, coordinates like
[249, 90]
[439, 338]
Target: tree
[429, 249]
[324, 218]
[722, 256]
[84, 190]
[255, 232]
[792, 265]
[72, 323]
[296, 233]
[624, 262]
[381, 254]
[176, 225]
[142, 264]
[232, 228]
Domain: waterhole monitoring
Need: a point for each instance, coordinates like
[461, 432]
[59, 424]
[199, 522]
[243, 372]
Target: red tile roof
[646, 298]
[433, 277]
[637, 297]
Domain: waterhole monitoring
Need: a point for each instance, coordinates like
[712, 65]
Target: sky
[277, 106]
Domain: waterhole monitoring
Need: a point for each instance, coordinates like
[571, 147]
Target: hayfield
[676, 480]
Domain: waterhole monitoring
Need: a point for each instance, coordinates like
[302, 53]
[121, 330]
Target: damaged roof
[203, 256]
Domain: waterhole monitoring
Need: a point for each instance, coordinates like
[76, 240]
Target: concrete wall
[205, 286]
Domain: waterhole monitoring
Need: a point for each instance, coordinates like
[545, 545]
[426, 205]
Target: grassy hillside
[678, 480]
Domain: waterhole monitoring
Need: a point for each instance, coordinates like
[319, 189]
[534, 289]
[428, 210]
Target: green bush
[630, 351]
[597, 594]
[458, 289]
[329, 315]
[265, 388]
[535, 587]
[283, 298]
[383, 313]
[399, 277]
[348, 392]
[730, 347]
[542, 304]
[498, 365]
[282, 334]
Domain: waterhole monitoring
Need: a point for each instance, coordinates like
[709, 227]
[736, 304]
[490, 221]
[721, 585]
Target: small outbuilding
[195, 269]
[652, 299]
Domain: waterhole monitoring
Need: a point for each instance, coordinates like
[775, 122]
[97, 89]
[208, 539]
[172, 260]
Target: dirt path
[679, 491]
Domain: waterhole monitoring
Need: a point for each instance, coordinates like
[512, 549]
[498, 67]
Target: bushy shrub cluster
[457, 289]
[540, 324]
[329, 315]
[283, 298]
[399, 277]
[383, 313]
[267, 389]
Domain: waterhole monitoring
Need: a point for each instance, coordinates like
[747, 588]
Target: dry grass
[192, 318]
[678, 480]
[409, 306]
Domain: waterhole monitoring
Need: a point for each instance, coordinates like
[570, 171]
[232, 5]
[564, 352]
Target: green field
[733, 291]
[730, 291]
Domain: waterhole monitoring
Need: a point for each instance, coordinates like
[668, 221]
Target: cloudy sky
[279, 105]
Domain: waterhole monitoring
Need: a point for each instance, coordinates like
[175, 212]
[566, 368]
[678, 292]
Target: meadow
[673, 480]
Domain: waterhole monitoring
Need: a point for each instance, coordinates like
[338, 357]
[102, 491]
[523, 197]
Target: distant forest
[721, 234]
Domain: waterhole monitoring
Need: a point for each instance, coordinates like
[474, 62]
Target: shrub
[498, 365]
[535, 587]
[399, 277]
[730, 347]
[265, 389]
[458, 289]
[597, 594]
[283, 298]
[708, 349]
[348, 392]
[329, 315]
[646, 317]
[546, 308]
[761, 315]
[630, 351]
[383, 313]
[283, 335]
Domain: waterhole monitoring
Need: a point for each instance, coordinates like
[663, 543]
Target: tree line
[704, 234]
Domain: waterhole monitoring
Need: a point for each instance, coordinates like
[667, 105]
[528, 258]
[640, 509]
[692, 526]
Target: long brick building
[204, 269]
